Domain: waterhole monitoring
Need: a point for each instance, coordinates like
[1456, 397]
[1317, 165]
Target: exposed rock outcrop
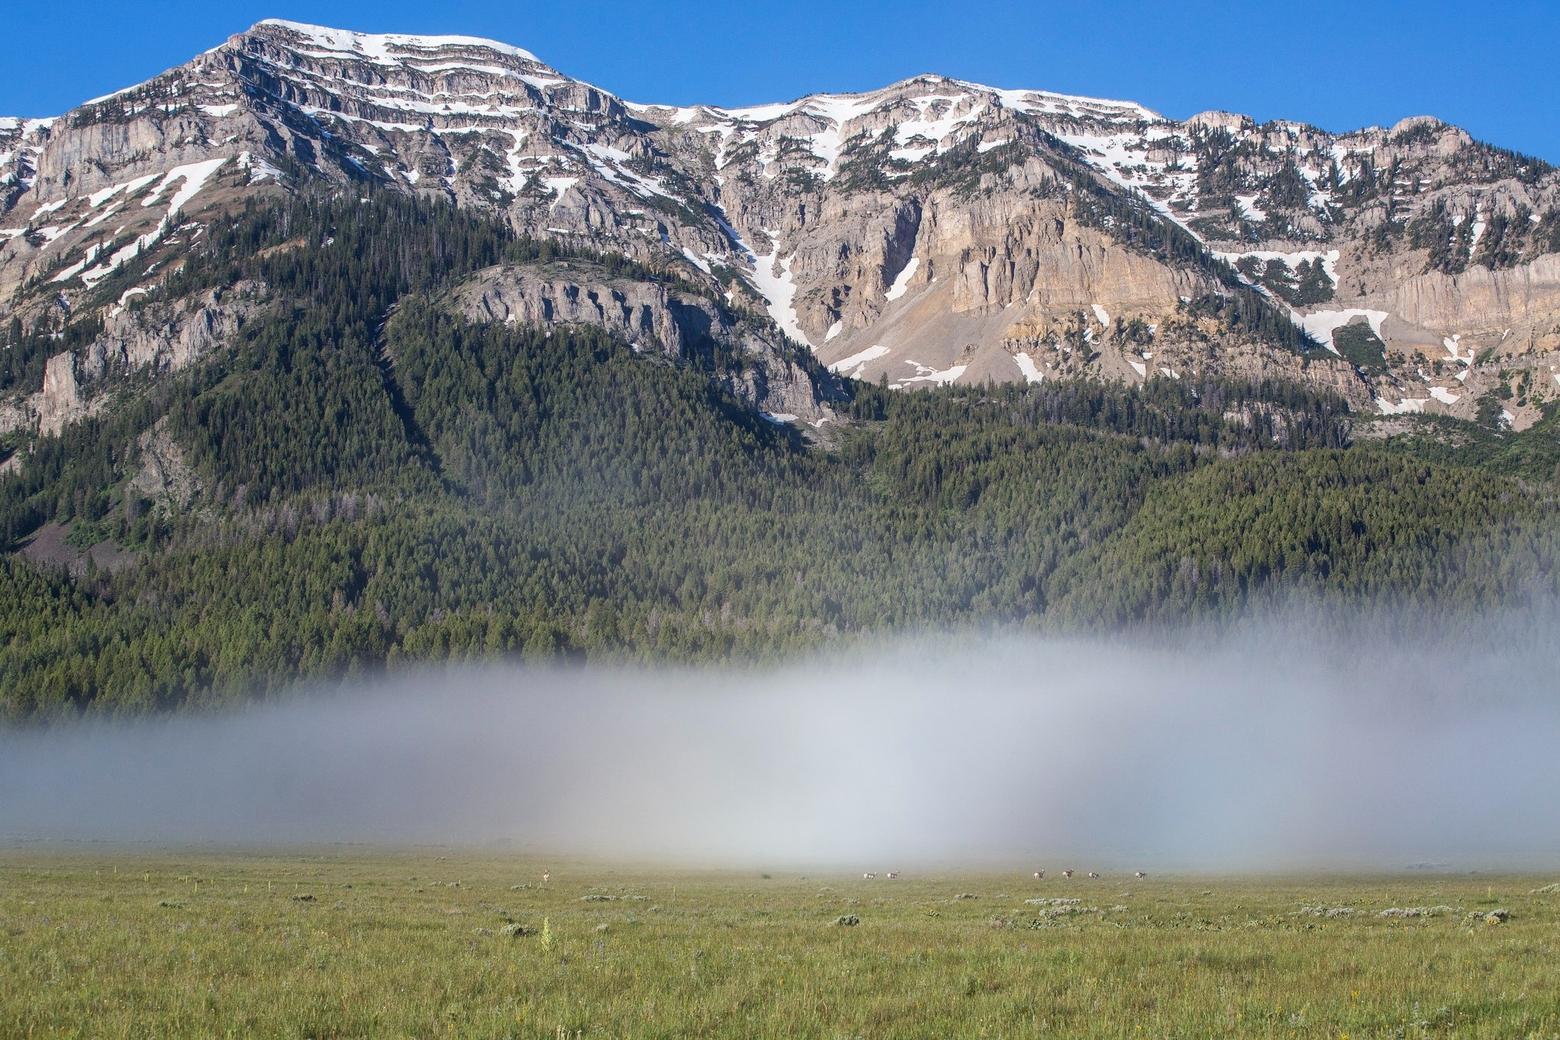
[158, 337]
[652, 317]
[164, 476]
[60, 401]
[165, 337]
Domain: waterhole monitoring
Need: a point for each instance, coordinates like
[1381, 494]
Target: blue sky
[1488, 67]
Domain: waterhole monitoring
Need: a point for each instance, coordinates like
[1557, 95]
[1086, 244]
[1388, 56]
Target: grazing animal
[1094, 875]
[893, 874]
[1140, 875]
[868, 876]
[1067, 873]
[546, 877]
[1039, 875]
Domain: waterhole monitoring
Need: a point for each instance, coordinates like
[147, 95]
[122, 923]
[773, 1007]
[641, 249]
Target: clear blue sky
[1487, 66]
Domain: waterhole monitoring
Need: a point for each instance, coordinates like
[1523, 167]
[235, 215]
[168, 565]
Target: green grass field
[349, 944]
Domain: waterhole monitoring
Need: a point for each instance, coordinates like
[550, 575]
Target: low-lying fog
[1268, 749]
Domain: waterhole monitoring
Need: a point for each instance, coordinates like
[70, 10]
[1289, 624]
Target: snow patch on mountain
[190, 178]
[610, 164]
[558, 186]
[129, 188]
[772, 278]
[1124, 156]
[1292, 260]
[1078, 107]
[852, 366]
[902, 280]
[194, 176]
[933, 125]
[1322, 324]
[1249, 210]
[927, 374]
[829, 142]
[937, 118]
[1407, 406]
[1027, 366]
[389, 48]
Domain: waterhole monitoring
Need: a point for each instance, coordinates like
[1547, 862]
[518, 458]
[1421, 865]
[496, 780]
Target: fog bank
[1261, 750]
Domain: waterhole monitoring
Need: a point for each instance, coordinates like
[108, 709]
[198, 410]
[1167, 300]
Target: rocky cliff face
[156, 338]
[780, 379]
[933, 231]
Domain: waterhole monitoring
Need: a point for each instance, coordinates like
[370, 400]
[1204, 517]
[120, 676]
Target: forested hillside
[365, 480]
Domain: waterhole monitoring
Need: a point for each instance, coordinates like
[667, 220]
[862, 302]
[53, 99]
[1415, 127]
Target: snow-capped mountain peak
[928, 231]
[389, 48]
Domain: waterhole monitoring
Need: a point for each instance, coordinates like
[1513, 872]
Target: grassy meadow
[429, 944]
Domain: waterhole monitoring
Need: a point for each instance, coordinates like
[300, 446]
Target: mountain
[328, 352]
[931, 232]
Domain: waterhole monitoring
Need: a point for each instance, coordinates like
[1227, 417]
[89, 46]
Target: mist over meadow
[1265, 747]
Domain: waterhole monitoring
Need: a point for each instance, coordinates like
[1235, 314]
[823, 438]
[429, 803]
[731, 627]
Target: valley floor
[345, 943]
